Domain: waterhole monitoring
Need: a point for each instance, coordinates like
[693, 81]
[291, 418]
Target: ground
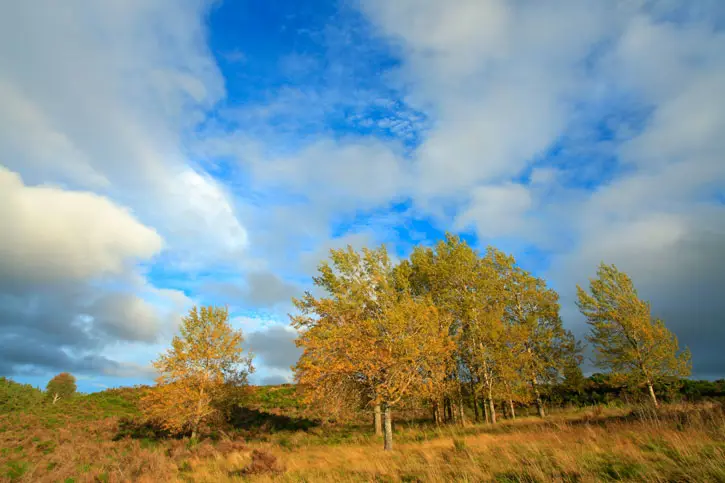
[85, 439]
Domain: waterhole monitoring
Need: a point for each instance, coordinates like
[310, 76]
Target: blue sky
[158, 155]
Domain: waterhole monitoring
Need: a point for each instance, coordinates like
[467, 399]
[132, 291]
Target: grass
[82, 440]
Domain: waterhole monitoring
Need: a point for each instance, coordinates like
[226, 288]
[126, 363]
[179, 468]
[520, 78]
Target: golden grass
[679, 443]
[684, 445]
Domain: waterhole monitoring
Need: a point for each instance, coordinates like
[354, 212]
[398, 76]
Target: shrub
[262, 462]
[15, 396]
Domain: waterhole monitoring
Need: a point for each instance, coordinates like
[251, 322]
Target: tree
[61, 386]
[540, 345]
[370, 333]
[627, 340]
[200, 373]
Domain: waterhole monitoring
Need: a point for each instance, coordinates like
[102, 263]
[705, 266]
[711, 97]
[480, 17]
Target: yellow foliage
[203, 367]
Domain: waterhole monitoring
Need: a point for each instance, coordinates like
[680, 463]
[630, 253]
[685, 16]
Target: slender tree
[62, 386]
[204, 367]
[536, 336]
[627, 340]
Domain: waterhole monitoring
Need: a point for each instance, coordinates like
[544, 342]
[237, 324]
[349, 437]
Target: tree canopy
[62, 386]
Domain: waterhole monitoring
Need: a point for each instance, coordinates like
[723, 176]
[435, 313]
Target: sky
[156, 155]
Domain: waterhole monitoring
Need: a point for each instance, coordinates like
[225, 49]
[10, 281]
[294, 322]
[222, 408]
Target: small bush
[262, 462]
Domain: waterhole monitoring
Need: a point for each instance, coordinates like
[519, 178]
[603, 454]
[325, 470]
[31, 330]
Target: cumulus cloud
[68, 280]
[332, 172]
[497, 210]
[259, 289]
[55, 234]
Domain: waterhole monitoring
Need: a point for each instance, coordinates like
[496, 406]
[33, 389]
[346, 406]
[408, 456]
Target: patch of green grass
[147, 443]
[14, 470]
[459, 445]
[618, 468]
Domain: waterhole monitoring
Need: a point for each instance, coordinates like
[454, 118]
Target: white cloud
[54, 234]
[352, 174]
[497, 210]
[499, 79]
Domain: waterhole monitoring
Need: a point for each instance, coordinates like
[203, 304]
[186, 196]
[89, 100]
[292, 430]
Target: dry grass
[680, 443]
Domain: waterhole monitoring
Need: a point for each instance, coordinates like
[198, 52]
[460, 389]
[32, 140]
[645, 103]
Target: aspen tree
[205, 364]
[627, 340]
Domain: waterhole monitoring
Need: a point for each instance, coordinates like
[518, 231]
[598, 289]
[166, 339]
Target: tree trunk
[511, 407]
[388, 428]
[652, 394]
[486, 415]
[448, 413]
[491, 407]
[378, 421]
[197, 416]
[461, 412]
[474, 398]
[56, 396]
[436, 417]
[539, 402]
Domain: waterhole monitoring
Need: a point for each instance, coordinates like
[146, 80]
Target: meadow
[275, 437]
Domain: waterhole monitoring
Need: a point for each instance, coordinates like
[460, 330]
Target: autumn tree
[369, 333]
[61, 386]
[541, 347]
[204, 367]
[627, 340]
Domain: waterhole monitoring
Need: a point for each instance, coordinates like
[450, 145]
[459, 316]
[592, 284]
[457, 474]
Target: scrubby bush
[15, 396]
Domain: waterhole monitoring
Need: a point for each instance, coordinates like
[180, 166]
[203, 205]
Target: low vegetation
[96, 437]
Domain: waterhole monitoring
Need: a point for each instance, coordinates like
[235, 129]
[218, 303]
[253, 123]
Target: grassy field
[84, 439]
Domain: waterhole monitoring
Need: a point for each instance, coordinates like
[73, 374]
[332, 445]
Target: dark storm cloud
[275, 346]
[685, 285]
[60, 328]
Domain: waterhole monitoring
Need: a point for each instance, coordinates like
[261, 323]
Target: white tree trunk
[388, 428]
